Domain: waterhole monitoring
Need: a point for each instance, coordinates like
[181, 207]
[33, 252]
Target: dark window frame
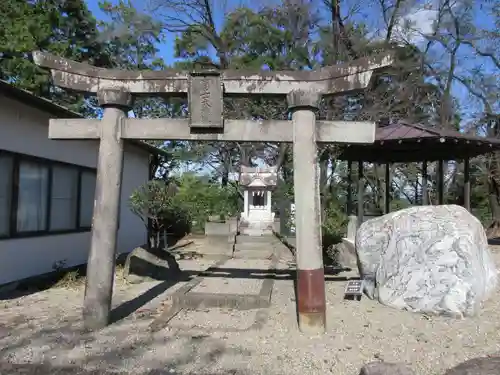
[17, 158]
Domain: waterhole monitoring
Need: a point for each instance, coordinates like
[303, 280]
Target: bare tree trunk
[323, 177]
[493, 230]
[393, 20]
[283, 151]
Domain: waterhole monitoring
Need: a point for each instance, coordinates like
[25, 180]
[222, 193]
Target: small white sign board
[292, 218]
[354, 290]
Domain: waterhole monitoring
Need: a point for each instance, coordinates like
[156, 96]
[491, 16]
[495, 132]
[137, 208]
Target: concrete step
[253, 254]
[256, 239]
[256, 232]
[253, 246]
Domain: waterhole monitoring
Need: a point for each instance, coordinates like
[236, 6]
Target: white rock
[429, 259]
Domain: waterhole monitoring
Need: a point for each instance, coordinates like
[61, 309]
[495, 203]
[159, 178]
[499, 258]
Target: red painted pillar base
[311, 300]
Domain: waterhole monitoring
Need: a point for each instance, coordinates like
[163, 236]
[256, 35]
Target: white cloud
[413, 24]
[416, 24]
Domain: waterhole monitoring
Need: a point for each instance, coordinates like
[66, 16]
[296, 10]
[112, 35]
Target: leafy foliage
[155, 203]
[202, 198]
[458, 51]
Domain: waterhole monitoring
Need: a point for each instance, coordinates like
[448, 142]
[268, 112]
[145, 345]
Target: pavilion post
[415, 191]
[311, 301]
[425, 194]
[361, 192]
[467, 183]
[440, 182]
[349, 188]
[387, 195]
[102, 255]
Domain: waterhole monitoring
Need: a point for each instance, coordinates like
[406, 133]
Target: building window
[64, 198]
[39, 196]
[6, 166]
[32, 202]
[87, 198]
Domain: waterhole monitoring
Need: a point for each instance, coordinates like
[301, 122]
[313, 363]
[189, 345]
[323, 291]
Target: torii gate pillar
[311, 303]
[205, 91]
[102, 256]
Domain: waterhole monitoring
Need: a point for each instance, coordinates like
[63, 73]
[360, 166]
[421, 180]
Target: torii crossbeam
[115, 90]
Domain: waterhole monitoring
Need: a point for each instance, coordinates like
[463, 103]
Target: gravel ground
[44, 328]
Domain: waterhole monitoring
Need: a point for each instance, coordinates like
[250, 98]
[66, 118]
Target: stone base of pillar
[311, 301]
[312, 323]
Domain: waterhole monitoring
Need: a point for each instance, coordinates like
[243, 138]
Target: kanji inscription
[205, 91]
[205, 100]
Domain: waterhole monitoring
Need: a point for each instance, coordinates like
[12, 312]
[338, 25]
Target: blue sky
[369, 13]
[167, 48]
[422, 18]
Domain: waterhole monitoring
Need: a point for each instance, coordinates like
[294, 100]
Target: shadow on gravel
[45, 369]
[494, 241]
[111, 350]
[129, 307]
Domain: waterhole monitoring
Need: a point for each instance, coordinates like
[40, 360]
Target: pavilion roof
[410, 142]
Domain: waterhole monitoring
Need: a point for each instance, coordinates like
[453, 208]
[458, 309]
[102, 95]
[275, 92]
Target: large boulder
[477, 366]
[385, 368]
[429, 259]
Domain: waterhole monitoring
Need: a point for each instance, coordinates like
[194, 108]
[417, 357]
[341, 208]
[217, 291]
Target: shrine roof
[257, 183]
[258, 177]
[411, 142]
[59, 111]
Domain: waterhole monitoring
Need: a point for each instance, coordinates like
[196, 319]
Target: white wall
[25, 130]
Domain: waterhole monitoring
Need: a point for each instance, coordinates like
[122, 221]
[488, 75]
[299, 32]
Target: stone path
[263, 247]
[243, 282]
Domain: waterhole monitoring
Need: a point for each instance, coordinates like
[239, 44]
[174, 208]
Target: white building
[47, 190]
[257, 217]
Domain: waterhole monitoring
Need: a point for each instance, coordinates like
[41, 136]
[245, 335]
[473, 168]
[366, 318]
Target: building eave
[60, 111]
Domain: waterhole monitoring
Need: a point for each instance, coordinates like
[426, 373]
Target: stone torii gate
[115, 90]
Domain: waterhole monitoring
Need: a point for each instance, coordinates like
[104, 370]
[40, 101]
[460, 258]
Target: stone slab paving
[207, 247]
[247, 264]
[238, 284]
[224, 285]
[238, 279]
[258, 249]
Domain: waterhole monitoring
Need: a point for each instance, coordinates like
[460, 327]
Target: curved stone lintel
[303, 99]
[115, 97]
[328, 80]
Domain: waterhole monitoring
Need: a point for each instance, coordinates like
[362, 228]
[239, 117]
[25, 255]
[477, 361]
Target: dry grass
[72, 279]
[76, 279]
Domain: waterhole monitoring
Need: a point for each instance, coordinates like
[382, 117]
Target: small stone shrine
[257, 218]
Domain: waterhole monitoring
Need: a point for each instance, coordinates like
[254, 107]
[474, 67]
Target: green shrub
[202, 198]
[155, 202]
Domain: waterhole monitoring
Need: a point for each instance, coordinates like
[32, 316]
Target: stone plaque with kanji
[205, 100]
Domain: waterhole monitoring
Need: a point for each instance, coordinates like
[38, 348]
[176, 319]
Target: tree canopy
[445, 75]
